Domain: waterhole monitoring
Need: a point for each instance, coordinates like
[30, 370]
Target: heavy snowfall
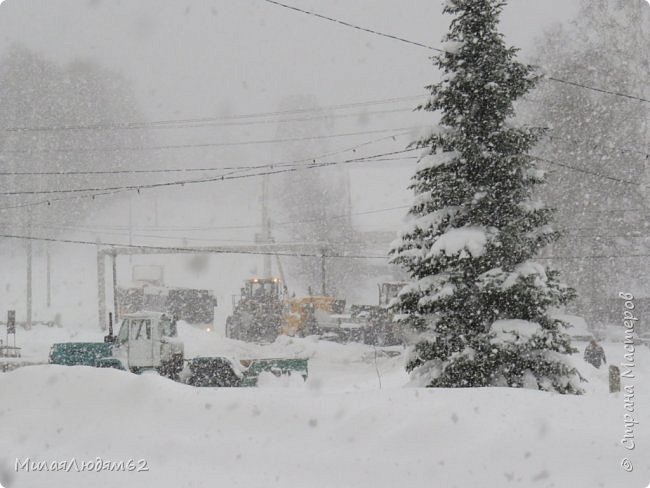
[295, 243]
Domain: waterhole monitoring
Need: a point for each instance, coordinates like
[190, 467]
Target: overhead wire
[620, 94]
[49, 201]
[586, 171]
[139, 187]
[100, 227]
[226, 250]
[235, 166]
[172, 122]
[224, 120]
[207, 250]
[432, 48]
[200, 145]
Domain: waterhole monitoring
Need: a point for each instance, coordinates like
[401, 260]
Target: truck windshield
[123, 336]
[262, 289]
[140, 329]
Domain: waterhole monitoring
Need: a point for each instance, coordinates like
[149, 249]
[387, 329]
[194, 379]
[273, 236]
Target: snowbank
[306, 437]
[337, 429]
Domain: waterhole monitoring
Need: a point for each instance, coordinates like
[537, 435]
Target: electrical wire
[138, 188]
[241, 166]
[353, 26]
[200, 145]
[419, 44]
[233, 250]
[201, 250]
[98, 228]
[210, 121]
[586, 171]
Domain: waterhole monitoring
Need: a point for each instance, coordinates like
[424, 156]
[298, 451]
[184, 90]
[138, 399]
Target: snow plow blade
[97, 354]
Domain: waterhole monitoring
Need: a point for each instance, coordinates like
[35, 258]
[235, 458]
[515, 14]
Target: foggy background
[230, 84]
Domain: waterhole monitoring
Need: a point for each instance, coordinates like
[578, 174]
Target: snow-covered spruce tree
[480, 303]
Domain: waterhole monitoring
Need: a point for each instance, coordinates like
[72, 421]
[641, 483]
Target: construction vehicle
[313, 315]
[258, 311]
[325, 316]
[149, 292]
[263, 311]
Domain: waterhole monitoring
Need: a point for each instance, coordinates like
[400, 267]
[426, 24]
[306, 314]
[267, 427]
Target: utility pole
[155, 211]
[322, 273]
[101, 286]
[28, 318]
[130, 230]
[48, 270]
[114, 263]
[265, 237]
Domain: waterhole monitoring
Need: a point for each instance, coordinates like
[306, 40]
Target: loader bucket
[80, 353]
[278, 367]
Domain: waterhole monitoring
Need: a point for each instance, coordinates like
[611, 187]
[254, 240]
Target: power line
[116, 189]
[600, 90]
[379, 210]
[247, 165]
[208, 144]
[170, 170]
[602, 146]
[115, 232]
[595, 256]
[597, 236]
[616, 210]
[190, 249]
[223, 120]
[100, 228]
[170, 123]
[241, 166]
[586, 171]
[271, 172]
[358, 27]
[49, 201]
[419, 44]
[288, 254]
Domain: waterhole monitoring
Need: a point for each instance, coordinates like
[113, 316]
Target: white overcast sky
[195, 57]
[207, 58]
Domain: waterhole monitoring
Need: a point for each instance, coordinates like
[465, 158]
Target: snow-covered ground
[338, 429]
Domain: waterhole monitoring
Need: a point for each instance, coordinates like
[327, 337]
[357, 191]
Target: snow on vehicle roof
[144, 314]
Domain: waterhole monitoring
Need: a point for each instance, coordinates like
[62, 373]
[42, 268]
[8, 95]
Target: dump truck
[149, 292]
